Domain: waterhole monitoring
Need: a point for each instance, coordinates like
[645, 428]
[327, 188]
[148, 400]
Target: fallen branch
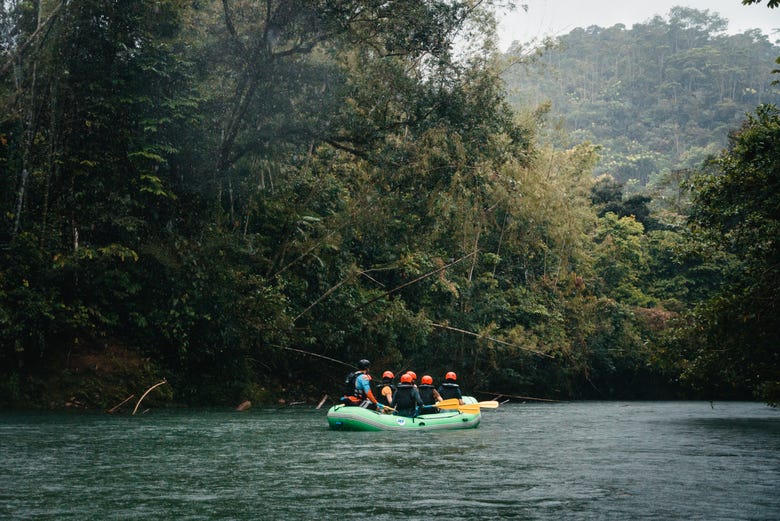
[500, 395]
[116, 407]
[450, 328]
[322, 401]
[155, 386]
[415, 281]
[316, 354]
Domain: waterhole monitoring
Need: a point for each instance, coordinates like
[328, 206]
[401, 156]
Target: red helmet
[426, 380]
[450, 376]
[406, 378]
[388, 374]
[412, 374]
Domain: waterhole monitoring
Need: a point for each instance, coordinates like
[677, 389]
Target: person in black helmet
[357, 388]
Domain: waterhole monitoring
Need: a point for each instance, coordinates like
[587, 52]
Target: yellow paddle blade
[452, 403]
[471, 408]
[490, 404]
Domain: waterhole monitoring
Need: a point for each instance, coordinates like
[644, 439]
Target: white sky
[558, 17]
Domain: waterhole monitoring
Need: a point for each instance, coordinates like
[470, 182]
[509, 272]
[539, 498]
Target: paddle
[452, 403]
[469, 408]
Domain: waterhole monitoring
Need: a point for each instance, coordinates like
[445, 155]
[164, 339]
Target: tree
[736, 212]
[770, 3]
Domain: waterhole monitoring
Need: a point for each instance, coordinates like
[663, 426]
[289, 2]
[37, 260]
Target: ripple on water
[599, 460]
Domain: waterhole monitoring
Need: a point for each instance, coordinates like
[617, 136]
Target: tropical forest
[243, 198]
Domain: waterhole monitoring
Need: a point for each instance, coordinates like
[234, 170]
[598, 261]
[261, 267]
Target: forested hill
[660, 96]
[245, 198]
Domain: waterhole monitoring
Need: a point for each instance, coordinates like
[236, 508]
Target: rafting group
[403, 399]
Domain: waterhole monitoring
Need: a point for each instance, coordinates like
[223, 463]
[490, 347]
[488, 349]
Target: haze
[556, 17]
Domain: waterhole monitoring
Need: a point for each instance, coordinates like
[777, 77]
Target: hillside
[658, 97]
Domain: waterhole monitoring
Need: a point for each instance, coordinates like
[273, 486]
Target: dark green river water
[586, 460]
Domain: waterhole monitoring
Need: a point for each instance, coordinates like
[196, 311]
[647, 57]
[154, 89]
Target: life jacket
[350, 385]
[426, 393]
[403, 398]
[449, 390]
[381, 398]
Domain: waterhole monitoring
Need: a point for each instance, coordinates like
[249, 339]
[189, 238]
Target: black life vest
[350, 388]
[403, 399]
[426, 393]
[449, 390]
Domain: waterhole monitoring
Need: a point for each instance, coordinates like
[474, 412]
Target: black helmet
[364, 364]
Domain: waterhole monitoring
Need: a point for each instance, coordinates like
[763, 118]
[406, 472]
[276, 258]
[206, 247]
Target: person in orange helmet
[450, 388]
[406, 398]
[428, 393]
[386, 388]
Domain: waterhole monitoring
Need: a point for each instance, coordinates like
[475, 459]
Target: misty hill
[660, 96]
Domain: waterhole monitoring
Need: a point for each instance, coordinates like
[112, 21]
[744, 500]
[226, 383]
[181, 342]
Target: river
[558, 461]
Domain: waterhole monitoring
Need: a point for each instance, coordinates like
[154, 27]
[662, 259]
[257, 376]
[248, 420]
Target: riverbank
[114, 378]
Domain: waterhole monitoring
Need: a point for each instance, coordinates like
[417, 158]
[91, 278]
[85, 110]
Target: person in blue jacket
[357, 388]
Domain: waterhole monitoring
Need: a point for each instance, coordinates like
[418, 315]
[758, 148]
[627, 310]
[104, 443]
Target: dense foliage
[736, 333]
[659, 96]
[244, 197]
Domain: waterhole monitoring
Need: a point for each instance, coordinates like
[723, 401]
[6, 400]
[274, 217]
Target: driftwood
[116, 407]
[322, 401]
[155, 386]
[244, 406]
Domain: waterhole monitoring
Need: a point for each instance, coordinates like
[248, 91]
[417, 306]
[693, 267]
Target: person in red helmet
[428, 393]
[450, 389]
[386, 388]
[406, 398]
[357, 388]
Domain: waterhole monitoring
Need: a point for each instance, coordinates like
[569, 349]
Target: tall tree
[737, 331]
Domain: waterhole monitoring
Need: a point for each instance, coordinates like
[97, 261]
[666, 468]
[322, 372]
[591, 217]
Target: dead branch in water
[116, 407]
[322, 401]
[155, 386]
[502, 395]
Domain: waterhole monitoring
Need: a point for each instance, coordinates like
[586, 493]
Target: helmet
[450, 376]
[388, 374]
[406, 378]
[426, 380]
[412, 374]
[364, 364]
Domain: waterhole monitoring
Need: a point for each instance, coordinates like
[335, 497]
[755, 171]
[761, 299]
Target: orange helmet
[412, 374]
[450, 376]
[426, 380]
[388, 374]
[406, 378]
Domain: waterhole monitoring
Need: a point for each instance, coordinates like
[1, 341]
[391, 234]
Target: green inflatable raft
[345, 418]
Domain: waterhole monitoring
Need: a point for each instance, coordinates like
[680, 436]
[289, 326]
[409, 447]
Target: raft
[341, 417]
